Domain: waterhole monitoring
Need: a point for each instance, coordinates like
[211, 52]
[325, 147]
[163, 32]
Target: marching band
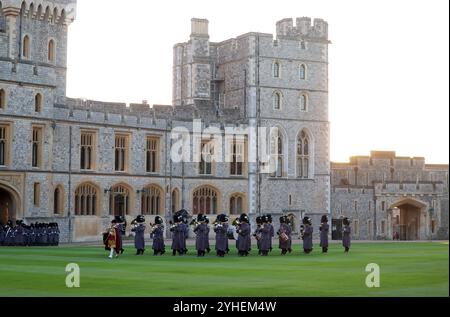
[240, 230]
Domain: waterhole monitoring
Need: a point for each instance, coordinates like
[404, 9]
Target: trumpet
[236, 222]
[194, 223]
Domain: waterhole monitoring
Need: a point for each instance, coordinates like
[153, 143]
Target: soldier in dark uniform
[45, 234]
[139, 238]
[285, 235]
[208, 247]
[307, 235]
[202, 235]
[346, 236]
[221, 230]
[122, 226]
[57, 233]
[178, 235]
[272, 230]
[2, 234]
[9, 234]
[157, 235]
[266, 236]
[324, 230]
[32, 235]
[258, 233]
[244, 236]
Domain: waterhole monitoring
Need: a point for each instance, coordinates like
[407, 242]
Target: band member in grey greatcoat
[157, 234]
[138, 227]
[178, 235]
[346, 234]
[266, 236]
[272, 230]
[244, 235]
[307, 235]
[324, 230]
[285, 235]
[202, 235]
[221, 230]
[258, 233]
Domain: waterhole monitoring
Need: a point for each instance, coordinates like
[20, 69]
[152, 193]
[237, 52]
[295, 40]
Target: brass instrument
[194, 222]
[236, 222]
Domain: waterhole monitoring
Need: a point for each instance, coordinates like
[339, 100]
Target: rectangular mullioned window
[87, 151]
[152, 150]
[121, 153]
[237, 158]
[36, 151]
[4, 145]
[207, 153]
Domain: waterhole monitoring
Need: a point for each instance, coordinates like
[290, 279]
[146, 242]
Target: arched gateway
[9, 204]
[407, 220]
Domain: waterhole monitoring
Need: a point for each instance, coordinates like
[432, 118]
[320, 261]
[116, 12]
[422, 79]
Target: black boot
[174, 252]
[283, 252]
[324, 250]
[162, 252]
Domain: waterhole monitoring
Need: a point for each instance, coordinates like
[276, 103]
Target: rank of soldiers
[35, 234]
[239, 230]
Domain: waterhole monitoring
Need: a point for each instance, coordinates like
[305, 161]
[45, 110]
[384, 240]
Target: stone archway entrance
[7, 206]
[406, 222]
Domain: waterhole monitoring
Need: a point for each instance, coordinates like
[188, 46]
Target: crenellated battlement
[52, 11]
[121, 113]
[303, 29]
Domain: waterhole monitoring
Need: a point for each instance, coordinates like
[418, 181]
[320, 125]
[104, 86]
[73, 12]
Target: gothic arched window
[86, 200]
[205, 200]
[151, 200]
[276, 69]
[120, 200]
[277, 98]
[303, 155]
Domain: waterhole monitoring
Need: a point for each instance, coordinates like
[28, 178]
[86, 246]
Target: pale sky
[389, 61]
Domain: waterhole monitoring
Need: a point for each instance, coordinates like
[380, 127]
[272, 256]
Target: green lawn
[407, 269]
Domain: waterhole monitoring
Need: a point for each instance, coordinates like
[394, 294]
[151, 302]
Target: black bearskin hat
[269, 218]
[324, 219]
[283, 219]
[119, 219]
[307, 221]
[259, 220]
[244, 218]
[158, 220]
[222, 218]
[140, 219]
[345, 221]
[265, 219]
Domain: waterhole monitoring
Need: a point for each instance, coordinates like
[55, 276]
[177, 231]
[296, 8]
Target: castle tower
[33, 45]
[192, 68]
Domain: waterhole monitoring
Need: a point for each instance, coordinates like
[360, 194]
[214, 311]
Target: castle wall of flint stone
[223, 84]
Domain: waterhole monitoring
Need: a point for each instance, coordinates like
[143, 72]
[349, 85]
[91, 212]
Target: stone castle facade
[80, 162]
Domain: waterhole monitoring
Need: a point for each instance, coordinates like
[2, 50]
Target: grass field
[407, 269]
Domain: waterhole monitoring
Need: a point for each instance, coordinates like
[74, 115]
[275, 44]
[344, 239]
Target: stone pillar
[11, 16]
